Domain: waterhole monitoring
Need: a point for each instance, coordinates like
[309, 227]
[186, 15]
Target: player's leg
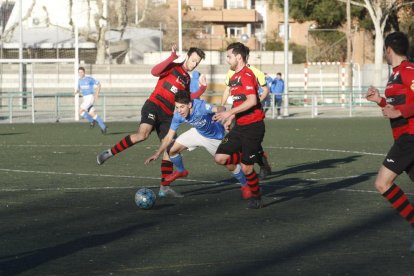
[148, 121]
[86, 104]
[398, 159]
[263, 162]
[251, 139]
[177, 159]
[162, 127]
[95, 116]
[278, 107]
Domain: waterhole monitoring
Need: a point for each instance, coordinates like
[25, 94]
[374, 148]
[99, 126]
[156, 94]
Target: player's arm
[218, 108]
[203, 86]
[225, 96]
[164, 144]
[265, 93]
[407, 110]
[251, 100]
[374, 96]
[97, 90]
[158, 69]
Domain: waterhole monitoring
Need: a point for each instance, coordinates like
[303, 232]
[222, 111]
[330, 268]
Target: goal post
[39, 77]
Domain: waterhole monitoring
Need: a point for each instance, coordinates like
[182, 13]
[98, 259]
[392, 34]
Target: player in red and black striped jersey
[158, 109]
[398, 106]
[247, 134]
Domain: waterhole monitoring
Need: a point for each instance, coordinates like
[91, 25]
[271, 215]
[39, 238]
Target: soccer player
[158, 109]
[247, 134]
[262, 158]
[89, 88]
[204, 133]
[398, 106]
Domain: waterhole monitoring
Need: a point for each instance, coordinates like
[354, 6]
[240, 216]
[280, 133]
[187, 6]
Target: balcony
[229, 16]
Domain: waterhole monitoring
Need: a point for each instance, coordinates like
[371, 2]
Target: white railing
[17, 107]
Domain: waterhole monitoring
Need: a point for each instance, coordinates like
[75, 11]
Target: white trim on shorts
[88, 102]
[192, 139]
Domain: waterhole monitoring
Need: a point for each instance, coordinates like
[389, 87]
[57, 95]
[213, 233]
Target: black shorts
[400, 157]
[154, 115]
[246, 139]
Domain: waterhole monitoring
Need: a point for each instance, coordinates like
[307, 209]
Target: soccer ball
[145, 198]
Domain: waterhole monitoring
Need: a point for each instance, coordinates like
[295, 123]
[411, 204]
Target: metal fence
[18, 107]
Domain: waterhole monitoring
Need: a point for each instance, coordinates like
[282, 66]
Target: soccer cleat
[92, 125]
[103, 156]
[265, 170]
[104, 131]
[412, 242]
[167, 191]
[254, 203]
[175, 175]
[246, 193]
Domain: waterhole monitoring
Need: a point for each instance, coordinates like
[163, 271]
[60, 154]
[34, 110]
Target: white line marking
[329, 150]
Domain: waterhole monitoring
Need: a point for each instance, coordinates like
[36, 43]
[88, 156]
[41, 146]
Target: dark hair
[199, 52]
[278, 73]
[81, 69]
[182, 97]
[398, 42]
[239, 48]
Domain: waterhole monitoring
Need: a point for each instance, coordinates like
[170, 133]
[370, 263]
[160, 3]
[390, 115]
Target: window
[282, 30]
[235, 4]
[234, 32]
[208, 3]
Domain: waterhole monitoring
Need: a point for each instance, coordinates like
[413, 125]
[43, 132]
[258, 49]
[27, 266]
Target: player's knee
[220, 159]
[139, 137]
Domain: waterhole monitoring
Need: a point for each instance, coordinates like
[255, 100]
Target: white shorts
[87, 103]
[191, 139]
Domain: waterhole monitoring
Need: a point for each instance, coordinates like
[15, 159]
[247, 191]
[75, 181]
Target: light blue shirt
[86, 85]
[201, 118]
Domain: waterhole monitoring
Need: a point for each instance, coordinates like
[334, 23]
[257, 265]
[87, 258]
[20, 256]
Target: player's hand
[174, 49]
[373, 95]
[152, 158]
[202, 81]
[390, 112]
[227, 125]
[222, 116]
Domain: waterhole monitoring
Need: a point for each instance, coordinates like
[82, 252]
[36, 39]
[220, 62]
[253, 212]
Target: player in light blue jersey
[205, 132]
[89, 88]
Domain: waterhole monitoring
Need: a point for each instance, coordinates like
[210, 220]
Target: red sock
[253, 182]
[400, 202]
[166, 169]
[122, 145]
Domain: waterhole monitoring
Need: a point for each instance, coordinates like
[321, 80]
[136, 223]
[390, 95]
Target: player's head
[237, 54]
[194, 57]
[81, 72]
[183, 103]
[398, 43]
[279, 75]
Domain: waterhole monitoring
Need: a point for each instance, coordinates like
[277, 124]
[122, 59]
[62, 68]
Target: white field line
[151, 178]
[157, 178]
[268, 147]
[329, 150]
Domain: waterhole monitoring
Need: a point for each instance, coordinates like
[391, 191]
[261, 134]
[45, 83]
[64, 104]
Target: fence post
[314, 108]
[57, 103]
[11, 109]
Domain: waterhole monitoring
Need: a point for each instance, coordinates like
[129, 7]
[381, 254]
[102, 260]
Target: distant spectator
[277, 88]
[194, 83]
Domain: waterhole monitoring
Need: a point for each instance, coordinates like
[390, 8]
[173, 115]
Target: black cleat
[254, 203]
[92, 125]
